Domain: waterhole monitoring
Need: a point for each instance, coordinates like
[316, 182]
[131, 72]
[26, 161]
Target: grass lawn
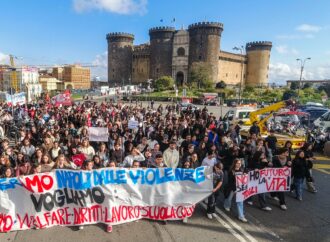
[76, 96]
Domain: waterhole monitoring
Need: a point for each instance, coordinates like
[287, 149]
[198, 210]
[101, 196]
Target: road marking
[227, 226]
[322, 168]
[235, 225]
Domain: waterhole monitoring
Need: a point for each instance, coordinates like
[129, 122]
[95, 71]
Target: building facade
[172, 52]
[78, 77]
[27, 81]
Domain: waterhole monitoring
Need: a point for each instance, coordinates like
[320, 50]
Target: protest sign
[261, 181]
[98, 134]
[109, 196]
[133, 124]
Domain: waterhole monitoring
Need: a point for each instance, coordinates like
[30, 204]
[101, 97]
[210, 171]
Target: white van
[239, 114]
[323, 121]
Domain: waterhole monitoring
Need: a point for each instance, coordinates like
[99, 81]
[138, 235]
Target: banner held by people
[98, 134]
[261, 181]
[108, 196]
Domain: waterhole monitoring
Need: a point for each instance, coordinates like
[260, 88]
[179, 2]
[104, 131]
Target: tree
[294, 85]
[221, 85]
[307, 85]
[164, 83]
[200, 75]
[288, 94]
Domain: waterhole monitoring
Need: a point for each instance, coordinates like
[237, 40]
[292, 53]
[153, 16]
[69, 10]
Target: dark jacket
[299, 168]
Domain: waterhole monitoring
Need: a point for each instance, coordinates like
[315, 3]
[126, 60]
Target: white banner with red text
[262, 181]
[109, 196]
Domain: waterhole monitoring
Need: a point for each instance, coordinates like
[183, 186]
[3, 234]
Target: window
[236, 75]
[226, 74]
[157, 70]
[181, 51]
[200, 57]
[133, 70]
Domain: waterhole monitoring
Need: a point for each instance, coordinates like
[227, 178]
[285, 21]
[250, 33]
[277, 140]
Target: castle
[172, 52]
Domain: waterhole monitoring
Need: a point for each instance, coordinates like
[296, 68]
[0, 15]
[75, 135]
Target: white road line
[227, 226]
[235, 225]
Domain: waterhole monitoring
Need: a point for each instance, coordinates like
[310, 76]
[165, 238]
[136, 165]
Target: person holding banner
[217, 183]
[280, 161]
[259, 162]
[230, 190]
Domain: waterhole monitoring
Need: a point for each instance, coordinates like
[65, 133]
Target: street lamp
[241, 49]
[302, 66]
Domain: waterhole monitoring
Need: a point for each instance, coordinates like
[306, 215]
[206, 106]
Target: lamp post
[241, 49]
[302, 66]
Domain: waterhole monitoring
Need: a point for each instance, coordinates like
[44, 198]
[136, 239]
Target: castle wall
[120, 47]
[204, 45]
[141, 64]
[161, 47]
[230, 68]
[258, 56]
[180, 57]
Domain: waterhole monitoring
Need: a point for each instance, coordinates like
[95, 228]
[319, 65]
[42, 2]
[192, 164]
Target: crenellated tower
[120, 47]
[204, 45]
[258, 56]
[161, 47]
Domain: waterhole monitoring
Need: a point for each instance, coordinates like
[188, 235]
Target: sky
[48, 32]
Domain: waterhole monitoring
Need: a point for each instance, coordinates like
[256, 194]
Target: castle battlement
[206, 25]
[143, 49]
[161, 29]
[259, 45]
[115, 35]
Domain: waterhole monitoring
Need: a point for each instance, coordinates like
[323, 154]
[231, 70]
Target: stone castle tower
[172, 52]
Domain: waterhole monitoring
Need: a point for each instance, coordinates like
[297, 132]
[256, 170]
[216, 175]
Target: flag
[161, 20]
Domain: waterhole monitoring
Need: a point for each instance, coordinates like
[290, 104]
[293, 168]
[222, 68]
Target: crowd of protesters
[164, 137]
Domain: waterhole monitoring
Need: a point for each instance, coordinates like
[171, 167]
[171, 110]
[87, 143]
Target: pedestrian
[217, 183]
[230, 190]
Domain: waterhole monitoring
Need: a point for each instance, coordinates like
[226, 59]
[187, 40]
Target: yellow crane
[13, 75]
[270, 110]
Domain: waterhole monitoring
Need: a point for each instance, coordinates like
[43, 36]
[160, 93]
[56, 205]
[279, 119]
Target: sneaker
[299, 198]
[250, 203]
[214, 215]
[81, 227]
[244, 220]
[209, 216]
[283, 207]
[185, 220]
[227, 209]
[267, 208]
[109, 228]
[275, 198]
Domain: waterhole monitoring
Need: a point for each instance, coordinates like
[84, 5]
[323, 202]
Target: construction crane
[13, 77]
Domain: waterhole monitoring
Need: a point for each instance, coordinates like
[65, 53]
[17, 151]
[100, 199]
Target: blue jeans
[240, 205]
[298, 183]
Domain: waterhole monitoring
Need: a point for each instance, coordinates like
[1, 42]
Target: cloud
[280, 72]
[4, 58]
[115, 6]
[283, 49]
[101, 61]
[307, 28]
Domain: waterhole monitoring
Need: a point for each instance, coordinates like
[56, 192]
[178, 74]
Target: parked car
[184, 107]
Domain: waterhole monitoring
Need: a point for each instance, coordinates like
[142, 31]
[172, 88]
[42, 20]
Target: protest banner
[109, 196]
[63, 99]
[261, 181]
[98, 134]
[16, 99]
